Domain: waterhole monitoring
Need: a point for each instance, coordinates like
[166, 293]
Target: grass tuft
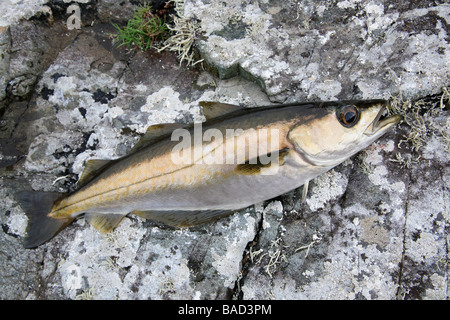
[143, 31]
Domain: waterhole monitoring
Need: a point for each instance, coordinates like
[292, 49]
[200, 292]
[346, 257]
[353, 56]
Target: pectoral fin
[255, 166]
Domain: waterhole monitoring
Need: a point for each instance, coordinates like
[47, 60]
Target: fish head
[342, 129]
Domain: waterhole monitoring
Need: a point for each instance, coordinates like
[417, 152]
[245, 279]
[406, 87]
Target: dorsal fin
[154, 133]
[216, 109]
[91, 170]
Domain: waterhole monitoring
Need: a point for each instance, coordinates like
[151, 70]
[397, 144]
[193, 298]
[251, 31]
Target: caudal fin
[41, 227]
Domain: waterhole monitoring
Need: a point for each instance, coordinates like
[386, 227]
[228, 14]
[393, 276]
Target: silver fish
[184, 176]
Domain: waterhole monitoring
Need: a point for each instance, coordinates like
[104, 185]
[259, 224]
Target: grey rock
[26, 50]
[14, 11]
[115, 11]
[5, 47]
[301, 50]
[374, 227]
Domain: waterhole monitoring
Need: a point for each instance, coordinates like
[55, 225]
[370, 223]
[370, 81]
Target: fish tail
[41, 227]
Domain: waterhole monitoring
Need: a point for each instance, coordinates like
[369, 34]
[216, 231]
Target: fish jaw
[326, 142]
[382, 124]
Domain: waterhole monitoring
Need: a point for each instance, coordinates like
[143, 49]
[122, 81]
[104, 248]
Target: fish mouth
[382, 122]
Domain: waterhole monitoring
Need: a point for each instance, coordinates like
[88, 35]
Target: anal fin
[184, 218]
[104, 222]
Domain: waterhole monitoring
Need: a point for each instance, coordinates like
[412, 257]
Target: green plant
[143, 30]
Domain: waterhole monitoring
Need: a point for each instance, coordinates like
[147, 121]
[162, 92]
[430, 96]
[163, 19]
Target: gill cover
[340, 133]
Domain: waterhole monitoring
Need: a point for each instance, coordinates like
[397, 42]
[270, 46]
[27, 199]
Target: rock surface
[375, 227]
[328, 50]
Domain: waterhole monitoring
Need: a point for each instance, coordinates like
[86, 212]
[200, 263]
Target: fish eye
[348, 115]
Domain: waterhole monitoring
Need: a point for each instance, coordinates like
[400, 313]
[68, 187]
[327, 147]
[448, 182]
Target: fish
[184, 175]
